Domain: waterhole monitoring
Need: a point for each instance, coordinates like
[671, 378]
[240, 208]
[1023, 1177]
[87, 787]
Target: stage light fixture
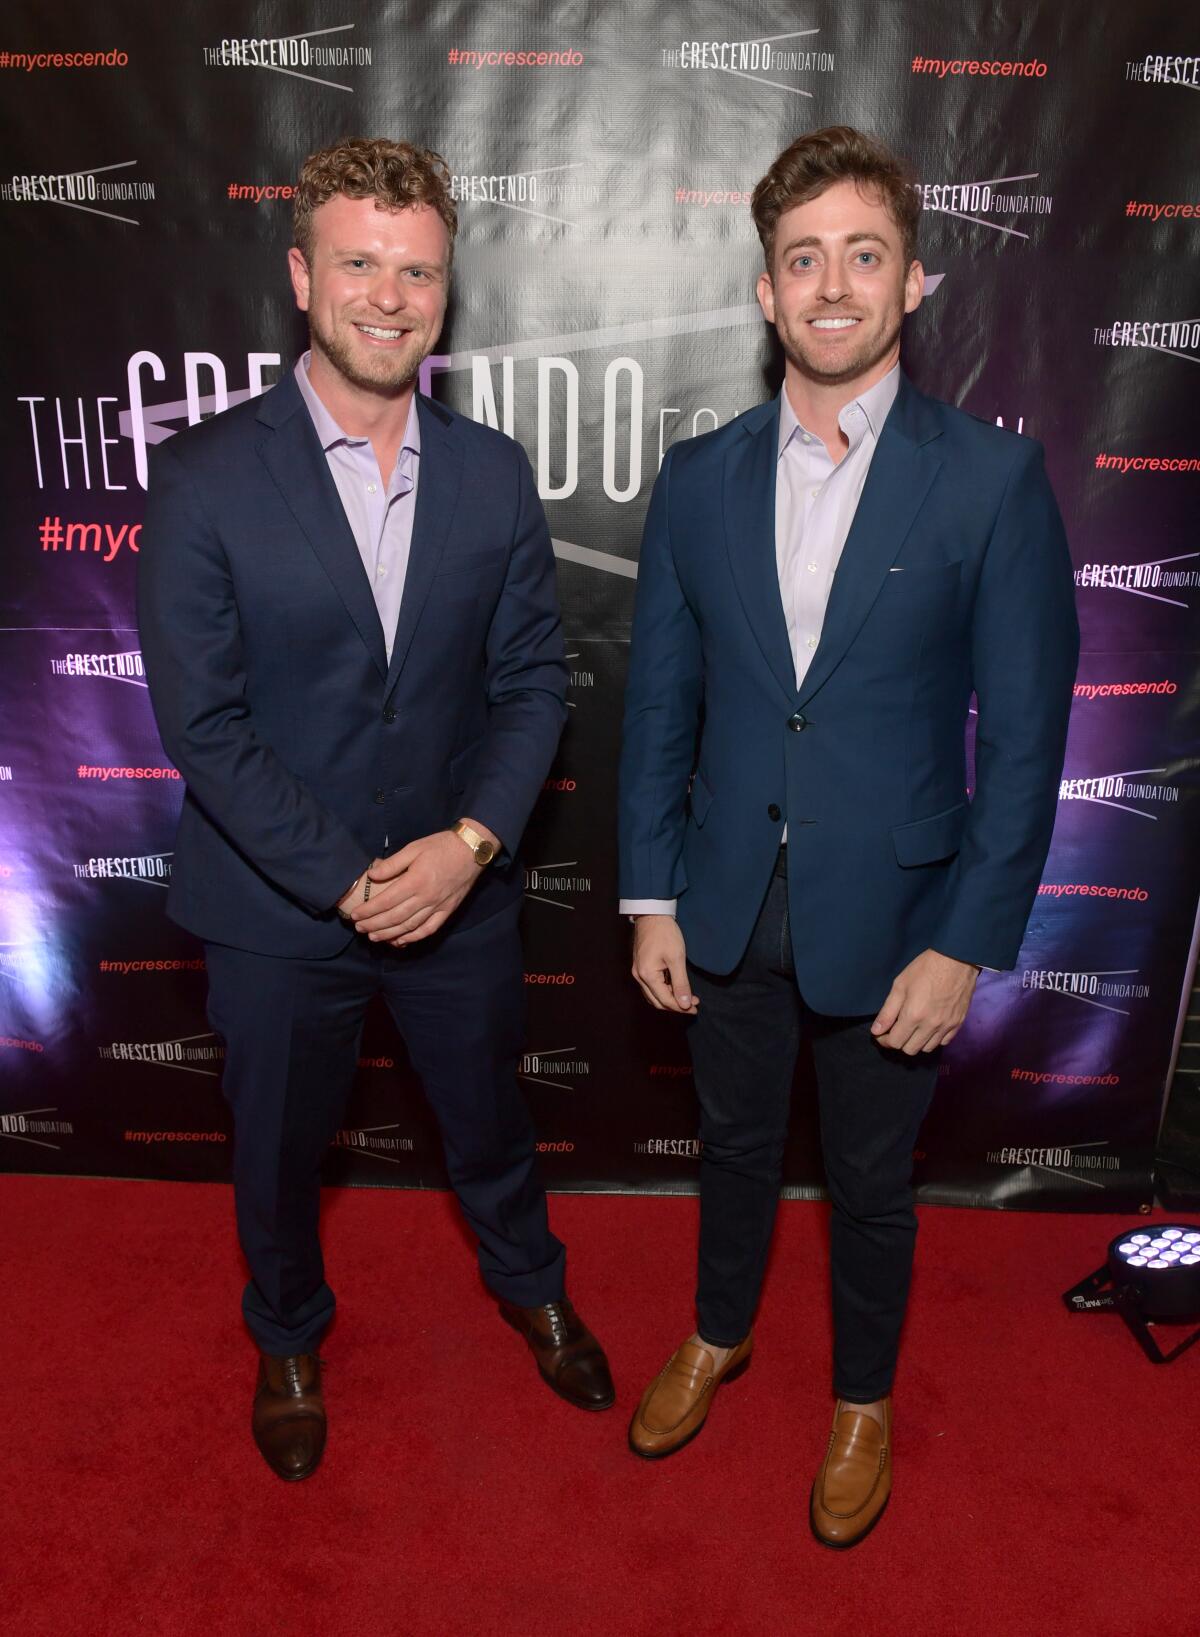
[1150, 1277]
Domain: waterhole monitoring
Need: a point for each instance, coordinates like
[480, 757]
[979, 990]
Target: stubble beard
[394, 372]
[860, 362]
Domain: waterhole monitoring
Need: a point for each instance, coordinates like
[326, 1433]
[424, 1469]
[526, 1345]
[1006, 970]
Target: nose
[831, 286]
[387, 292]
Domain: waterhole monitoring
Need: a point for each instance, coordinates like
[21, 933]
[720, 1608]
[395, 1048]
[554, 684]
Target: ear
[765, 291]
[914, 286]
[300, 276]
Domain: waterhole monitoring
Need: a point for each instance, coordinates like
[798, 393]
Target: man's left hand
[926, 1004]
[418, 889]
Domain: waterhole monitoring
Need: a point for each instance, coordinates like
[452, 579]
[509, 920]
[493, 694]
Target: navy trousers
[744, 1041]
[292, 1029]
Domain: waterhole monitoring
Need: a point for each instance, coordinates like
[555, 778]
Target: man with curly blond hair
[350, 628]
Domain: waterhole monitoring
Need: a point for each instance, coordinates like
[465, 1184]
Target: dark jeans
[291, 1031]
[744, 1042]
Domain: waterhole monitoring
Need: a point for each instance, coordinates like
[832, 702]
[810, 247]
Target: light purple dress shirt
[815, 503]
[380, 515]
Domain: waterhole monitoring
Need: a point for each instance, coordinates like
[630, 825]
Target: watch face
[484, 853]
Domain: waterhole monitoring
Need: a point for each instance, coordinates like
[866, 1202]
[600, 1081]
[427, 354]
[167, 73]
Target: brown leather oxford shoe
[675, 1405]
[569, 1358]
[855, 1480]
[289, 1415]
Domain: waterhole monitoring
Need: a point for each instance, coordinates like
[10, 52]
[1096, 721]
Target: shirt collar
[874, 403]
[329, 432]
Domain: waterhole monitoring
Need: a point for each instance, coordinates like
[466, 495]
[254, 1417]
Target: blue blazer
[955, 579]
[305, 753]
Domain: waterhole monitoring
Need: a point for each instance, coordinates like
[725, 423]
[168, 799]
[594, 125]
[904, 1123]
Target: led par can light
[1151, 1275]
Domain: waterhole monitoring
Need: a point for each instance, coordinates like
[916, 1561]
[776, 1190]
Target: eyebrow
[815, 239]
[338, 252]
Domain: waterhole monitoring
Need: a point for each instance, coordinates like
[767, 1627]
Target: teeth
[381, 335]
[832, 323]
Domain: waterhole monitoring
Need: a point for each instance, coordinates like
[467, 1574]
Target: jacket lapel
[902, 470]
[438, 480]
[749, 515]
[293, 455]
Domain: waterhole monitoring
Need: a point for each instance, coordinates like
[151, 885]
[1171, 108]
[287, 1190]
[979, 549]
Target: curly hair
[396, 174]
[815, 161]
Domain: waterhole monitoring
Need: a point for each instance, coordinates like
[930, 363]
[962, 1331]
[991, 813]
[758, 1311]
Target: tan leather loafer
[675, 1404]
[855, 1479]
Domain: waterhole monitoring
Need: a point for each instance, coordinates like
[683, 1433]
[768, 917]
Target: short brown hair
[397, 174]
[815, 161]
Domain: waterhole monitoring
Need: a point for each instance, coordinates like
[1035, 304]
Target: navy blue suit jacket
[955, 578]
[305, 753]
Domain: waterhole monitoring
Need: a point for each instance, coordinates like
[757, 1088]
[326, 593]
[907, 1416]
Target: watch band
[367, 885]
[482, 849]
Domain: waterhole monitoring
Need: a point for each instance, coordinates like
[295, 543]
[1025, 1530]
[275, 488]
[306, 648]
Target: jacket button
[379, 797]
[389, 715]
[798, 722]
[774, 814]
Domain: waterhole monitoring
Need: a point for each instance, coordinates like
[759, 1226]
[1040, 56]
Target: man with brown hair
[823, 584]
[348, 616]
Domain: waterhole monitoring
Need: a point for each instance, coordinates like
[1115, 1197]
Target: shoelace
[558, 1323]
[291, 1374]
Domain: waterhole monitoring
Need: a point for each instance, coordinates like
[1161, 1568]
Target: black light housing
[1150, 1276]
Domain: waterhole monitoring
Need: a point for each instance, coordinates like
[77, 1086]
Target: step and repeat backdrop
[602, 309]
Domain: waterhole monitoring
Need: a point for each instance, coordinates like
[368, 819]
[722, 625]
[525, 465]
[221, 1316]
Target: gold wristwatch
[482, 849]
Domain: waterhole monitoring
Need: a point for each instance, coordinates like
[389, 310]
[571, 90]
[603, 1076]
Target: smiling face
[839, 287]
[374, 290]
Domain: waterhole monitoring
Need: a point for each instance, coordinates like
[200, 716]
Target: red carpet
[1046, 1472]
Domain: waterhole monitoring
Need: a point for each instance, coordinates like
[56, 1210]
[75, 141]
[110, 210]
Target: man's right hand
[660, 964]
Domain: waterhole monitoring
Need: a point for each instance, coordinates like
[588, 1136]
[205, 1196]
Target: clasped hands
[415, 891]
[924, 1009]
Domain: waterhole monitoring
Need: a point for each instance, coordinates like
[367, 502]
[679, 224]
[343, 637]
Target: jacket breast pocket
[473, 562]
[929, 840]
[925, 580]
[453, 593]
